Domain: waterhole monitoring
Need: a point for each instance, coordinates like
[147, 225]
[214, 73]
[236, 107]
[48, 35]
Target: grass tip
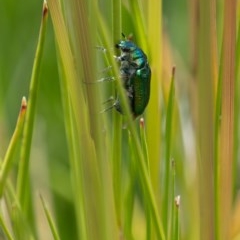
[45, 8]
[24, 103]
[177, 201]
[141, 122]
[173, 71]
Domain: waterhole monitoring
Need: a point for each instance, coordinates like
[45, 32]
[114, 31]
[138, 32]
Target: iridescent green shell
[136, 77]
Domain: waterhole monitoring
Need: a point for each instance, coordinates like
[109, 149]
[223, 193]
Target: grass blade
[167, 181]
[227, 121]
[8, 159]
[5, 229]
[205, 121]
[50, 220]
[71, 113]
[117, 127]
[153, 115]
[176, 218]
[23, 190]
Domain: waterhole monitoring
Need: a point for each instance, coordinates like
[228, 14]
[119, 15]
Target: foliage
[73, 169]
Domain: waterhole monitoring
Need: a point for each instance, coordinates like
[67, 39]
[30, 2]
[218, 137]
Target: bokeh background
[49, 165]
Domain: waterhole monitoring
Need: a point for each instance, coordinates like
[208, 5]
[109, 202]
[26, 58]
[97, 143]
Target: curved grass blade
[50, 220]
[23, 190]
[8, 159]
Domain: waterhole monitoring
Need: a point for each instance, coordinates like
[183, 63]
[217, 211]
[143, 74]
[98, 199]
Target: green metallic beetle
[135, 75]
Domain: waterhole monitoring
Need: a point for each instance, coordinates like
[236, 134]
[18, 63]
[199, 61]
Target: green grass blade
[176, 218]
[236, 111]
[116, 145]
[227, 121]
[173, 226]
[145, 178]
[216, 143]
[8, 159]
[88, 154]
[71, 113]
[21, 227]
[205, 122]
[144, 142]
[145, 152]
[50, 220]
[23, 190]
[130, 193]
[167, 181]
[153, 115]
[5, 229]
[147, 187]
[97, 169]
[136, 7]
[117, 126]
[28, 128]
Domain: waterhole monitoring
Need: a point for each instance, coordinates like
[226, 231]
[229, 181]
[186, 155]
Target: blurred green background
[19, 28]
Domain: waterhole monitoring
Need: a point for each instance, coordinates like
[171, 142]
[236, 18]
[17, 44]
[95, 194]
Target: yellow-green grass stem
[145, 152]
[21, 228]
[205, 122]
[176, 226]
[117, 125]
[68, 85]
[50, 220]
[167, 158]
[130, 192]
[153, 111]
[226, 156]
[236, 108]
[5, 228]
[8, 159]
[23, 185]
